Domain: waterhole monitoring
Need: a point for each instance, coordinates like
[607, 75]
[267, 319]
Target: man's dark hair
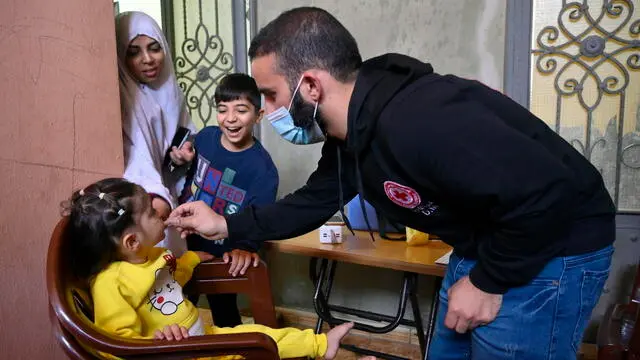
[238, 86]
[305, 38]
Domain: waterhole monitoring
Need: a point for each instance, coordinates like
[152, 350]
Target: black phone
[181, 136]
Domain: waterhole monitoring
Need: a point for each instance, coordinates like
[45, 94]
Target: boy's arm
[265, 188]
[112, 313]
[184, 267]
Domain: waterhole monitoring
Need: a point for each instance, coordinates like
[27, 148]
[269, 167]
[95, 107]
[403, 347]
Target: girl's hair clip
[81, 192]
[120, 212]
[101, 195]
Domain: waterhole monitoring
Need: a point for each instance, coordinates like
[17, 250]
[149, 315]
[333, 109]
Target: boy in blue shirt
[231, 170]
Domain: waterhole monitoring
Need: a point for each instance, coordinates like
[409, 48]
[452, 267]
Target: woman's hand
[183, 155]
[240, 261]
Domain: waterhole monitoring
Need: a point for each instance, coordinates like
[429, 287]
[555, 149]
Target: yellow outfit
[135, 300]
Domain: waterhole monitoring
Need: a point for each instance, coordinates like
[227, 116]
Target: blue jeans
[543, 320]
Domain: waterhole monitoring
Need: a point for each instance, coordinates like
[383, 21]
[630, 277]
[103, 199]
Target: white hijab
[151, 113]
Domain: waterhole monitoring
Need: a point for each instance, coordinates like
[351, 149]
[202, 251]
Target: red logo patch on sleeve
[401, 195]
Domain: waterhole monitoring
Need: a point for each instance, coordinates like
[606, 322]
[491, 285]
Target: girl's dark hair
[238, 86]
[98, 216]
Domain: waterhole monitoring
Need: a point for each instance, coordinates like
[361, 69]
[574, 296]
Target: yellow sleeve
[184, 267]
[112, 312]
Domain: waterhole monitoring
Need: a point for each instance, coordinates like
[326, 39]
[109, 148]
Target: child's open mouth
[234, 130]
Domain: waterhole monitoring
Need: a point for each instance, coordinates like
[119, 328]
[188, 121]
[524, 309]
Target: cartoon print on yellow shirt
[166, 294]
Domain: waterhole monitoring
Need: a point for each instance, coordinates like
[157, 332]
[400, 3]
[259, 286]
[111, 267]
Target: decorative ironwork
[201, 61]
[587, 57]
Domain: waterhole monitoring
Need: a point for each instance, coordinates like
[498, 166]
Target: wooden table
[387, 254]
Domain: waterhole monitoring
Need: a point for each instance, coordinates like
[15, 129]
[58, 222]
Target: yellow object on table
[416, 238]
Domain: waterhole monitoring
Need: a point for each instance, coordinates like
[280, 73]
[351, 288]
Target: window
[585, 83]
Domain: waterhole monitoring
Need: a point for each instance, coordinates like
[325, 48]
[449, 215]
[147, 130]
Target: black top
[454, 158]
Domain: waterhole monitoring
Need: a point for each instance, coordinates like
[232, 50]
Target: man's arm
[298, 213]
[263, 192]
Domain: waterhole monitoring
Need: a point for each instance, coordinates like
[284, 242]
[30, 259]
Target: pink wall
[60, 129]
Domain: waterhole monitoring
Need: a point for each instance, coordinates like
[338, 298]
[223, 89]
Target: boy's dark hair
[96, 223]
[305, 38]
[238, 86]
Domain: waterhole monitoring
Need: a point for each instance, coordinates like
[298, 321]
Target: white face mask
[283, 122]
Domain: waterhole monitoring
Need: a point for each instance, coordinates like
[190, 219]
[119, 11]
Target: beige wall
[60, 129]
[464, 37]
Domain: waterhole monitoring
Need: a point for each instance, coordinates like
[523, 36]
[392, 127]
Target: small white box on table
[331, 233]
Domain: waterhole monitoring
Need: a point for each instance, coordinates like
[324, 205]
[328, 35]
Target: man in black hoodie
[528, 216]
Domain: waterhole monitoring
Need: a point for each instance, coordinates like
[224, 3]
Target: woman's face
[145, 58]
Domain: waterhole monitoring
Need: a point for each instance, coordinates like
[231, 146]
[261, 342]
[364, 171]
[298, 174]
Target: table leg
[417, 314]
[435, 302]
[317, 278]
[332, 273]
[319, 282]
[323, 283]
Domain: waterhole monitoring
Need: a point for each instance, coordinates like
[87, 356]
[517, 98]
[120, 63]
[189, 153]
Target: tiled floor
[399, 343]
[357, 338]
[388, 346]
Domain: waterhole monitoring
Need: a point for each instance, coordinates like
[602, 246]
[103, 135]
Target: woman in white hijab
[153, 108]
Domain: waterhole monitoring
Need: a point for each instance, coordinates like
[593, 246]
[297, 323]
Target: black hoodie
[454, 158]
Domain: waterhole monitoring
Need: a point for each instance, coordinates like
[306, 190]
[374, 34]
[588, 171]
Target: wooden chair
[619, 331]
[71, 314]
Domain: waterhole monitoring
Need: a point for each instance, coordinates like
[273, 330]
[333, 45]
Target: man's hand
[470, 307]
[204, 256]
[198, 217]
[161, 206]
[183, 155]
[171, 332]
[240, 261]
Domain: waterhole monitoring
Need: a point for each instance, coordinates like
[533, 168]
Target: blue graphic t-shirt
[228, 181]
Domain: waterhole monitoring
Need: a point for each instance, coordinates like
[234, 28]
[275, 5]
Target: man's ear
[130, 242]
[311, 86]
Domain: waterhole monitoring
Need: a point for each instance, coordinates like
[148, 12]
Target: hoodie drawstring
[360, 192]
[344, 216]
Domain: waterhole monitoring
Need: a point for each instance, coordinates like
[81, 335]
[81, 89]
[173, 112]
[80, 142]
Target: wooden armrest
[253, 345]
[250, 345]
[218, 268]
[66, 340]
